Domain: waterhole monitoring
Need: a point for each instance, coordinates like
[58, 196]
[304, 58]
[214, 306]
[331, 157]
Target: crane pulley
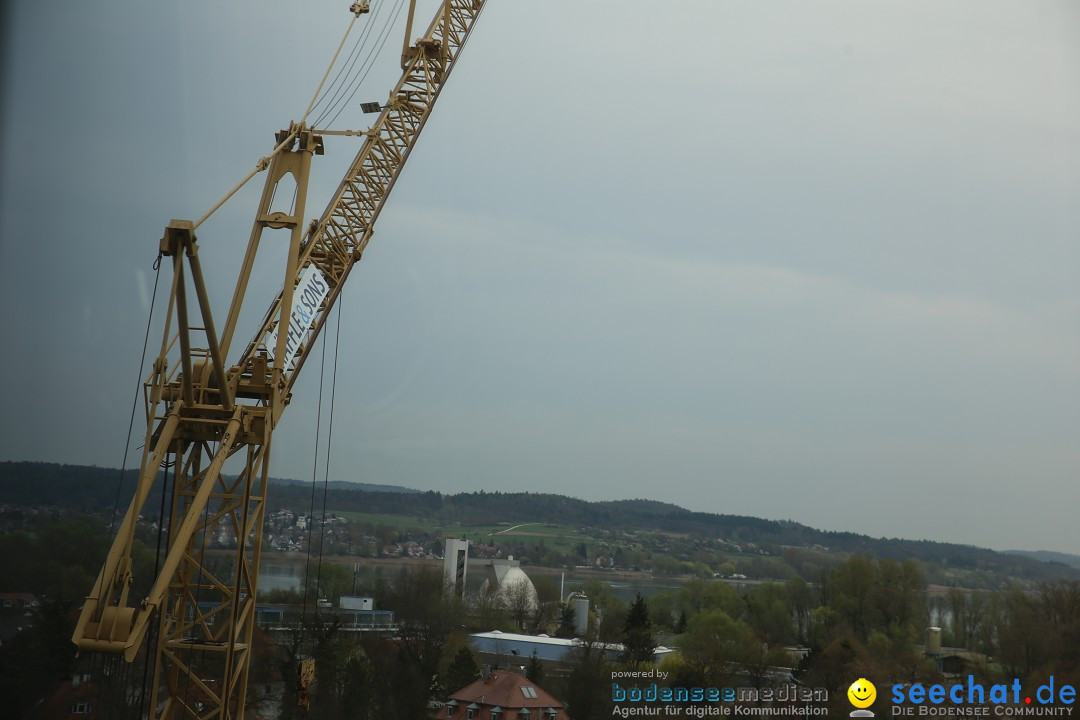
[205, 413]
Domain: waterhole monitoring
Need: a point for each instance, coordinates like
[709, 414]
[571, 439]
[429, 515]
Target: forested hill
[770, 536]
[1049, 556]
[94, 490]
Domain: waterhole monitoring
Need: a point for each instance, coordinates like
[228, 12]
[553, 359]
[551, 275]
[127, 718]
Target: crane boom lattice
[212, 421]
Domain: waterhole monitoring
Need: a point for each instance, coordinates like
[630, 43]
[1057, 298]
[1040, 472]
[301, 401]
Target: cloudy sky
[809, 260]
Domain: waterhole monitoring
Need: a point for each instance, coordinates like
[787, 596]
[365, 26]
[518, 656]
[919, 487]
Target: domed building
[509, 581]
[512, 586]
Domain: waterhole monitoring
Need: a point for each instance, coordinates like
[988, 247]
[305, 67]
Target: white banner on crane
[307, 297]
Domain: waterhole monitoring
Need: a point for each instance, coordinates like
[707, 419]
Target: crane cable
[353, 79]
[311, 511]
[382, 43]
[135, 400]
[315, 97]
[157, 568]
[350, 62]
[326, 482]
[329, 443]
[373, 54]
[120, 679]
[264, 162]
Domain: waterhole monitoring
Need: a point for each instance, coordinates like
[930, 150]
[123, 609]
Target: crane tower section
[210, 421]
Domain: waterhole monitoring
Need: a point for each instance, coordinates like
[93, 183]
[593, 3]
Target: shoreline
[297, 557]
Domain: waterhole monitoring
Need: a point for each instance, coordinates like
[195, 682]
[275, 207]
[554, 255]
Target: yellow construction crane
[212, 420]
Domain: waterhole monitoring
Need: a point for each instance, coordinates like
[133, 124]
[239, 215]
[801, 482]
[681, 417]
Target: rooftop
[513, 694]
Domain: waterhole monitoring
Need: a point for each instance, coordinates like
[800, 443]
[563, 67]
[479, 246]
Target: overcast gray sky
[809, 260]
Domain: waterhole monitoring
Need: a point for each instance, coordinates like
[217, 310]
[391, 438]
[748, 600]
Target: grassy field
[554, 536]
[401, 522]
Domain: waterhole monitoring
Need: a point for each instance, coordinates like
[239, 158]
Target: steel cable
[350, 62]
[369, 61]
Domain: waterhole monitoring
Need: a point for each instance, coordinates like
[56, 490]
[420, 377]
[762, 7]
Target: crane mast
[210, 422]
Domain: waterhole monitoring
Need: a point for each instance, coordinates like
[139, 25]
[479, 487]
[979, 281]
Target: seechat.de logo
[862, 695]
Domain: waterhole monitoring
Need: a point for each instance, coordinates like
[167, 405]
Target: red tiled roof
[505, 690]
[61, 705]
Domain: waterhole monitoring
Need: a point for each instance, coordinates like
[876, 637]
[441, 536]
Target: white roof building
[498, 644]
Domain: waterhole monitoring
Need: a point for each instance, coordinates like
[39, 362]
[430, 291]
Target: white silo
[580, 604]
[933, 640]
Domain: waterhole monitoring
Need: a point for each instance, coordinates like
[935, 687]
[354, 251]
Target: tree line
[786, 545]
[862, 617]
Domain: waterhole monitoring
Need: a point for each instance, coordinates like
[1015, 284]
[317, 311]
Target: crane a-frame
[204, 413]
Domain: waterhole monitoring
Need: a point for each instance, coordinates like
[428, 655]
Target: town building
[511, 649]
[502, 696]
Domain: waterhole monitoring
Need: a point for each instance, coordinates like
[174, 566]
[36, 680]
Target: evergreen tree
[535, 669]
[637, 633]
[567, 621]
[586, 690]
[462, 671]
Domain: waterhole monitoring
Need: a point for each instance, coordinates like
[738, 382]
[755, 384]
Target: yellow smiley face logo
[862, 693]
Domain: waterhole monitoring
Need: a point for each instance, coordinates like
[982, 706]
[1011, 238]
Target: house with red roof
[19, 601]
[75, 699]
[503, 695]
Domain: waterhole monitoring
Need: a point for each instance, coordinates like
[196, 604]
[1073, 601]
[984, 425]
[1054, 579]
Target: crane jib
[308, 296]
[199, 617]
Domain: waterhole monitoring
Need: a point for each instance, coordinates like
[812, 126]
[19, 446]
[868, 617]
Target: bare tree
[521, 602]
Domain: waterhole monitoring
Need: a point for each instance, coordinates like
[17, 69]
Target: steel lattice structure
[204, 413]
